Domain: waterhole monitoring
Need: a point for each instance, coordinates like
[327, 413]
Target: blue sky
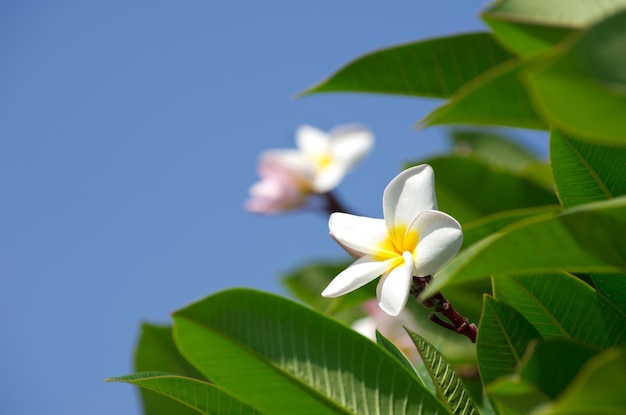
[129, 134]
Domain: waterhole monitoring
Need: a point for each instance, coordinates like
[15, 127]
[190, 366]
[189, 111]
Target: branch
[440, 304]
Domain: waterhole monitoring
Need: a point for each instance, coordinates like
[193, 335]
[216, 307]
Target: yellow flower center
[397, 242]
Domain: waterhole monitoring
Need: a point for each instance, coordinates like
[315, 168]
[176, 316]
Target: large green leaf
[553, 364]
[585, 238]
[488, 225]
[503, 336]
[514, 396]
[560, 305]
[528, 26]
[497, 149]
[613, 287]
[582, 90]
[497, 97]
[556, 13]
[203, 397]
[470, 188]
[598, 389]
[156, 352]
[450, 387]
[585, 172]
[284, 358]
[430, 68]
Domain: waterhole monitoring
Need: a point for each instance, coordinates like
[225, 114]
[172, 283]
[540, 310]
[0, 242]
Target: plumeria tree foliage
[502, 284]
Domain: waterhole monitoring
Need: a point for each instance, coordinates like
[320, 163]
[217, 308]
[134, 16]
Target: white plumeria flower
[329, 156]
[413, 239]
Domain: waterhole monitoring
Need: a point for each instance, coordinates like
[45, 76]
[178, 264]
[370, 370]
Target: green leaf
[598, 389]
[554, 13]
[156, 352]
[430, 68]
[450, 387]
[203, 397]
[497, 150]
[307, 283]
[388, 345]
[560, 305]
[469, 188]
[488, 225]
[585, 172]
[503, 336]
[551, 365]
[284, 358]
[497, 97]
[530, 26]
[514, 396]
[585, 238]
[613, 287]
[525, 38]
[589, 71]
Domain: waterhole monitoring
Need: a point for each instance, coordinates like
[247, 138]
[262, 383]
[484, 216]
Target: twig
[440, 304]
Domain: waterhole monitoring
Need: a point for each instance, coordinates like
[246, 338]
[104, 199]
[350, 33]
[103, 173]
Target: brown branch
[440, 304]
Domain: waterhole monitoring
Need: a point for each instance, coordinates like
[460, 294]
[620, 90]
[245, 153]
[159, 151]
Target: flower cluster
[413, 239]
[316, 166]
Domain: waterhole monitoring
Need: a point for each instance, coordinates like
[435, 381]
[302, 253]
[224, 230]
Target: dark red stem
[440, 304]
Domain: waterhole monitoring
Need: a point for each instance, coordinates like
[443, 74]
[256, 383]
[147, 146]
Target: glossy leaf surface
[197, 396]
[285, 358]
[585, 172]
[430, 68]
[503, 336]
[586, 238]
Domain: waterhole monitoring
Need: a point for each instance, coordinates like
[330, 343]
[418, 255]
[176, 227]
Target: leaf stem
[440, 304]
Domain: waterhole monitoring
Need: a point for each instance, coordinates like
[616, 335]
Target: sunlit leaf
[156, 352]
[497, 149]
[585, 238]
[585, 172]
[431, 68]
[450, 387]
[598, 389]
[285, 358]
[560, 305]
[590, 71]
[530, 26]
[503, 336]
[483, 227]
[497, 97]
[202, 396]
[469, 188]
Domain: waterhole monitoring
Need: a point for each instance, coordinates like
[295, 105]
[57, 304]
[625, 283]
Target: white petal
[359, 234]
[409, 193]
[440, 238]
[311, 140]
[349, 144]
[366, 326]
[393, 289]
[362, 271]
[278, 162]
[329, 178]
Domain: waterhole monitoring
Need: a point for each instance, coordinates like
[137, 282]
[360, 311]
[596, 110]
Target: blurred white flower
[282, 186]
[317, 165]
[413, 239]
